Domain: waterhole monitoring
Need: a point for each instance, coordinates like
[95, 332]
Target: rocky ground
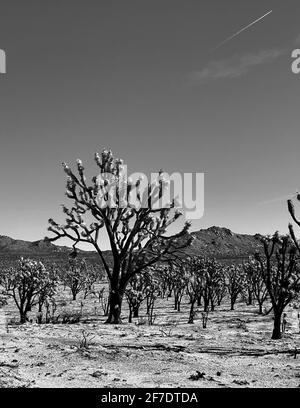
[235, 350]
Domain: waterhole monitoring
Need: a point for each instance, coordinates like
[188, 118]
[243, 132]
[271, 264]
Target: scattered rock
[98, 374]
[197, 376]
[240, 382]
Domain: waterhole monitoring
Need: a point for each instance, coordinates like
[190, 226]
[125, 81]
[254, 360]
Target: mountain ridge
[219, 242]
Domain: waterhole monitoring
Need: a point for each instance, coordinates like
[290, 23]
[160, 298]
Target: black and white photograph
[150, 198]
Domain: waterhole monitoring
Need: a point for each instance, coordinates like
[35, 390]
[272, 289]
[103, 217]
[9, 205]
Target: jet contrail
[280, 199]
[242, 29]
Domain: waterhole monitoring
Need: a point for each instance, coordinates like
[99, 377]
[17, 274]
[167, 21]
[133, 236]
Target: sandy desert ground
[235, 350]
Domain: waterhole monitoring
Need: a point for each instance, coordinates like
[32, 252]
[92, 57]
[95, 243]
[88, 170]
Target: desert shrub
[85, 339]
[27, 283]
[241, 325]
[280, 268]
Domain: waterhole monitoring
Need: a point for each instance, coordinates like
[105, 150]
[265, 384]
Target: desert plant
[167, 279]
[26, 282]
[74, 276]
[70, 317]
[254, 274]
[235, 282]
[135, 295]
[194, 284]
[135, 225]
[152, 290]
[248, 292]
[85, 339]
[179, 284]
[46, 295]
[91, 278]
[280, 269]
[213, 283]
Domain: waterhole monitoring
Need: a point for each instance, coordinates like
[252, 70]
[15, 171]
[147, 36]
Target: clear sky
[142, 77]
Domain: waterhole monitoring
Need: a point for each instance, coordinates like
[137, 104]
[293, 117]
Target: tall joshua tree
[281, 273]
[130, 214]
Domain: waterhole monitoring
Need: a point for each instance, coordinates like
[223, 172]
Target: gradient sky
[141, 77]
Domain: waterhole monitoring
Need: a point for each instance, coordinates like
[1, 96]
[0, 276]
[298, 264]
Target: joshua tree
[194, 285]
[26, 283]
[129, 213]
[135, 295]
[221, 289]
[75, 276]
[93, 276]
[205, 278]
[211, 275]
[214, 283]
[47, 292]
[281, 273]
[152, 290]
[254, 278]
[235, 281]
[249, 290]
[180, 281]
[167, 279]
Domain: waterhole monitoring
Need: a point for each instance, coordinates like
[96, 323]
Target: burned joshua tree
[30, 283]
[280, 269]
[255, 282]
[127, 211]
[235, 282]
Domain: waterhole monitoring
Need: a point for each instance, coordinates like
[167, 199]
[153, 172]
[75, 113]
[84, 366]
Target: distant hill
[11, 245]
[221, 243]
[12, 249]
[214, 241]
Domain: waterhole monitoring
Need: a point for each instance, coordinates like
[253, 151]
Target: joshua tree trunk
[23, 317]
[192, 313]
[130, 315]
[250, 298]
[206, 304]
[40, 314]
[136, 310]
[212, 304]
[23, 310]
[175, 301]
[232, 302]
[277, 325]
[115, 304]
[74, 294]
